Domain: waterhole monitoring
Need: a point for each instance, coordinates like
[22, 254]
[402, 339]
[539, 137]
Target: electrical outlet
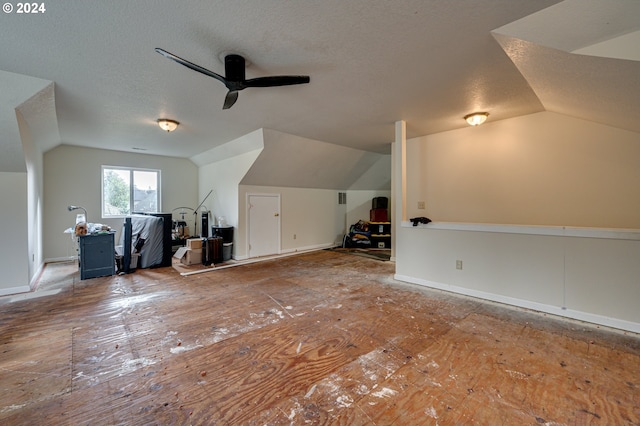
[458, 264]
[421, 205]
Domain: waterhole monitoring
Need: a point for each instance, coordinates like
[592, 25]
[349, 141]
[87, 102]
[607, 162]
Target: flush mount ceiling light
[167, 125]
[477, 118]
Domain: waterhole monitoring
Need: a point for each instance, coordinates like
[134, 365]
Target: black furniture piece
[97, 255]
[205, 225]
[167, 242]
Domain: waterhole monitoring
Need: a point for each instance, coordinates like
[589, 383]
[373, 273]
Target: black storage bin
[225, 232]
[380, 203]
[381, 241]
[380, 228]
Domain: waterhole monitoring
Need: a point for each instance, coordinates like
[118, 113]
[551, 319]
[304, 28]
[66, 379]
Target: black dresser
[97, 255]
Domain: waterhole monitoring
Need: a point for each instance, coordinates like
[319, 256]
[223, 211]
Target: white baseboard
[308, 248]
[248, 261]
[60, 259]
[291, 251]
[616, 323]
[24, 288]
[14, 290]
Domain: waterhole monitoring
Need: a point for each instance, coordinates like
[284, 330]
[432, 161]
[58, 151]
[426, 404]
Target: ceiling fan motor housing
[234, 68]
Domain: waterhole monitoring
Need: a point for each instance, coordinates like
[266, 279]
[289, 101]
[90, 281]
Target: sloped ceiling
[37, 107]
[428, 62]
[591, 71]
[292, 161]
[559, 79]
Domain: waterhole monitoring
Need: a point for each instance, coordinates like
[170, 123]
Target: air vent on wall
[342, 198]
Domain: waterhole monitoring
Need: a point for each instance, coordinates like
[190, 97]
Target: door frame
[248, 196]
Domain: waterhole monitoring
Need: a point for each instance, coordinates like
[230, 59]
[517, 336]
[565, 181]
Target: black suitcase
[380, 203]
[211, 250]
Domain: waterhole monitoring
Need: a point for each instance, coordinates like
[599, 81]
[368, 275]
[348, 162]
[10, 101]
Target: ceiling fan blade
[230, 99]
[234, 78]
[191, 65]
[278, 80]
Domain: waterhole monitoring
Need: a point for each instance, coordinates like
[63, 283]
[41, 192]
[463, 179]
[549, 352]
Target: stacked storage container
[379, 224]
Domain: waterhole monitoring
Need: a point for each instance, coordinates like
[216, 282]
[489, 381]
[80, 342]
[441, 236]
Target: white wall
[28, 126]
[359, 204]
[33, 161]
[312, 215]
[221, 169]
[547, 170]
[308, 175]
[588, 278]
[72, 175]
[223, 177]
[14, 250]
[375, 182]
[540, 169]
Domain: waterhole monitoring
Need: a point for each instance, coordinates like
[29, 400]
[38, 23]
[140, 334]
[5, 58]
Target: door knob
[276, 214]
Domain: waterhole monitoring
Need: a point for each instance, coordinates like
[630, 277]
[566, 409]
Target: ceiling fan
[234, 79]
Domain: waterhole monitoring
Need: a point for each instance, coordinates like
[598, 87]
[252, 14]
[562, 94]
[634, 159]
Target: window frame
[131, 171]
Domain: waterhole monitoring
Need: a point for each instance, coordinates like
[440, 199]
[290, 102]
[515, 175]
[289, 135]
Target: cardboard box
[191, 257]
[183, 231]
[194, 244]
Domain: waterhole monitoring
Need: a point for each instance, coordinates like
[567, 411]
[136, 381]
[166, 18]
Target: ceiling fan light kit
[477, 118]
[234, 79]
[167, 125]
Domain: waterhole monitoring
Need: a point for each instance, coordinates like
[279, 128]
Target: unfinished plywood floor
[321, 338]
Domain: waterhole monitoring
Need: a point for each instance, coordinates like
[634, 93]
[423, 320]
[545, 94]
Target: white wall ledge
[560, 231]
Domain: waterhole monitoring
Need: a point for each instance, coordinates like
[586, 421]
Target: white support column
[398, 182]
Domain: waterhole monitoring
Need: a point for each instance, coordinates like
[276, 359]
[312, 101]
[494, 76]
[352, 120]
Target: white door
[263, 217]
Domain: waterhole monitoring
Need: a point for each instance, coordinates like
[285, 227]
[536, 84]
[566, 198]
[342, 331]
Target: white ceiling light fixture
[477, 118]
[167, 125]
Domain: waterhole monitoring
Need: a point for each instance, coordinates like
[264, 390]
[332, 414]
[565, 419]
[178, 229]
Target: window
[127, 190]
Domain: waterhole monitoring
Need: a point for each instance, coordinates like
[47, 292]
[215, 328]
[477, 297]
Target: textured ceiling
[371, 63]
